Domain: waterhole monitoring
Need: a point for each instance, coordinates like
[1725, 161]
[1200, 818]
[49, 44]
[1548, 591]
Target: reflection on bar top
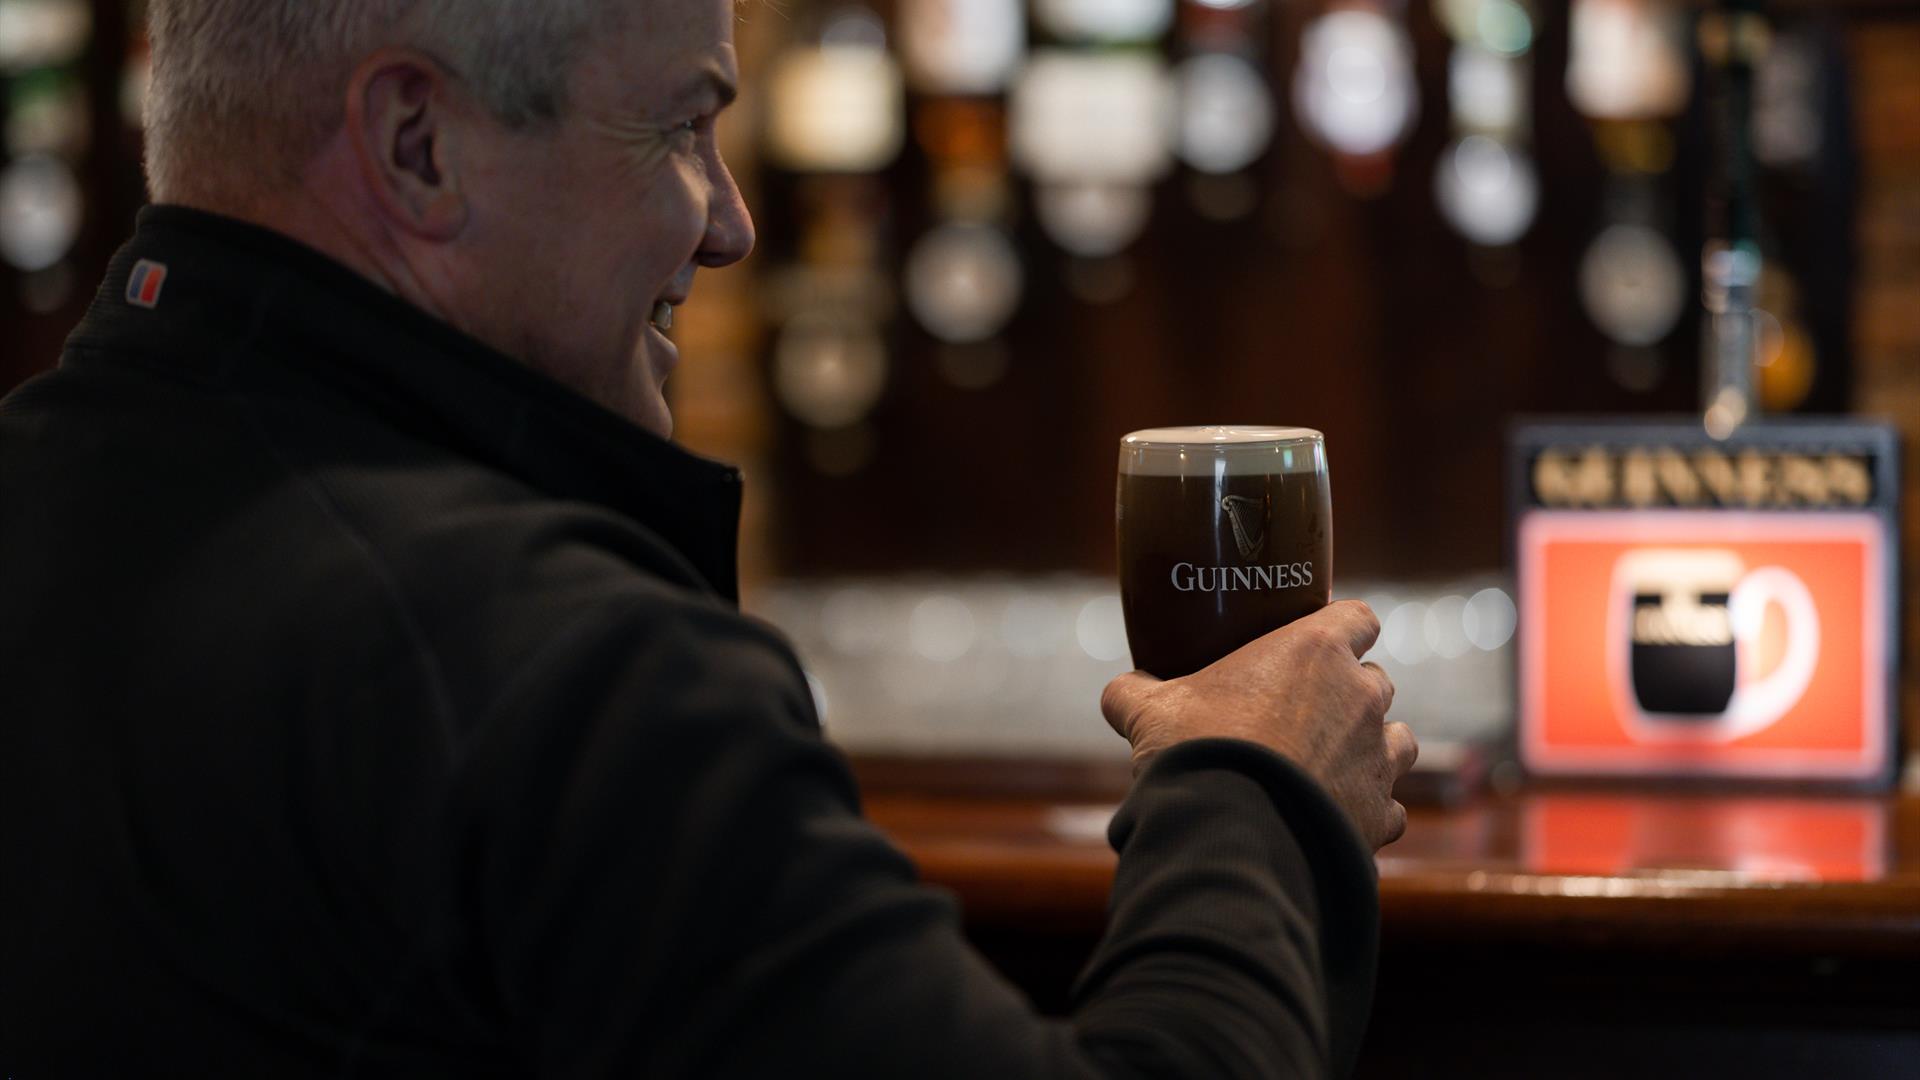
[1563, 842]
[1608, 844]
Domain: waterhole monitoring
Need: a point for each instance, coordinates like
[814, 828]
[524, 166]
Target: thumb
[1122, 699]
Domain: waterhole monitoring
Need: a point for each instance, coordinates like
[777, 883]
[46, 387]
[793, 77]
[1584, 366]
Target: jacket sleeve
[672, 877]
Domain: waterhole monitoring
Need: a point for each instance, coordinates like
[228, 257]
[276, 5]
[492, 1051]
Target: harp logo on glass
[1242, 512]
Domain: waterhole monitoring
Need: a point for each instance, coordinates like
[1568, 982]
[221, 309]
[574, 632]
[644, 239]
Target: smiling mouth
[662, 317]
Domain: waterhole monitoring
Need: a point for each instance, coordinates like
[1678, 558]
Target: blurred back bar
[1733, 39]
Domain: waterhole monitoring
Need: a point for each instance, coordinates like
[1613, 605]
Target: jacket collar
[234, 295]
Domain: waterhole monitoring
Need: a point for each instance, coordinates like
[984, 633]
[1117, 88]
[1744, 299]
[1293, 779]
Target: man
[376, 700]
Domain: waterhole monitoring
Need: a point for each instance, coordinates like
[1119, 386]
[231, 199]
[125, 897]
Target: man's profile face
[579, 234]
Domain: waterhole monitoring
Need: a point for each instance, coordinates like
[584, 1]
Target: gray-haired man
[376, 699]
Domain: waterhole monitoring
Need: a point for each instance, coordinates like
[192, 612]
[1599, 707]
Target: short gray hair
[245, 91]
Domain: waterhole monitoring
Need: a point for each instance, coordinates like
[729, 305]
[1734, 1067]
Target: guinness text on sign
[1642, 477]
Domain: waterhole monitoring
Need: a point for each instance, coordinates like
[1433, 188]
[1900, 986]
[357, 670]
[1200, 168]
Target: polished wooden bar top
[1827, 876]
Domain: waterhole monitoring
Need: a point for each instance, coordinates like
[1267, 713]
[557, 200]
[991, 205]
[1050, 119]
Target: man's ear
[402, 123]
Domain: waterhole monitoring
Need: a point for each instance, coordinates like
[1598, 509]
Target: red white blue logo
[143, 288]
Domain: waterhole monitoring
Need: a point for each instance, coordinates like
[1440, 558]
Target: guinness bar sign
[1692, 607]
[1639, 477]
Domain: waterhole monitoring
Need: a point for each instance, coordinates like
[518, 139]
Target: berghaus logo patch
[144, 284]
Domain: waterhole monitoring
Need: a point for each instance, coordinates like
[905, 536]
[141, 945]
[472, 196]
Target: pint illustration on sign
[1703, 647]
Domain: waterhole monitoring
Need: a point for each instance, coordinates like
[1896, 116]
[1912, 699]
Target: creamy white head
[1222, 450]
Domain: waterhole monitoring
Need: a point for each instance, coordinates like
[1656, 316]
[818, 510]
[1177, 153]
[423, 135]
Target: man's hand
[1300, 691]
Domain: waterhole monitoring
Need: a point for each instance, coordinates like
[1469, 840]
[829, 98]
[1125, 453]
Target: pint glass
[1225, 533]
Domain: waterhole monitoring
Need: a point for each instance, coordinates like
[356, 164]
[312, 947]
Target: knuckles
[1383, 690]
[1403, 749]
[1396, 822]
[1364, 614]
[1355, 615]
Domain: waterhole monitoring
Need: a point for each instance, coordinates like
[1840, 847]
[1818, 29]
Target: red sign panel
[1705, 642]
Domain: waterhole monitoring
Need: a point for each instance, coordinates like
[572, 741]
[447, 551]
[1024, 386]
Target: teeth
[663, 315]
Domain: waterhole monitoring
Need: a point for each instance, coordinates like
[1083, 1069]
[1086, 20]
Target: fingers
[1121, 700]
[1396, 824]
[1402, 748]
[1385, 684]
[1352, 623]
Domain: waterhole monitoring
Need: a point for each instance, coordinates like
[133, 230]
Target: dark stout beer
[1225, 533]
[1680, 637]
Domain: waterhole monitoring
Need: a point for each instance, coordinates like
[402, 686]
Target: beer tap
[1731, 40]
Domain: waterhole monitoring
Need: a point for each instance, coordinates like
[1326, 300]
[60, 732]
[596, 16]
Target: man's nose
[729, 226]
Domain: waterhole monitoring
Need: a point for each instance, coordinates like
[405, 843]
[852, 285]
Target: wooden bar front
[1556, 933]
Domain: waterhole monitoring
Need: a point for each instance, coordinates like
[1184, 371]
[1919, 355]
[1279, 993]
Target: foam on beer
[1222, 450]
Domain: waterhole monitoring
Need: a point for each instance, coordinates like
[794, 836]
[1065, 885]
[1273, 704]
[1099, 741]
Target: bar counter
[1565, 932]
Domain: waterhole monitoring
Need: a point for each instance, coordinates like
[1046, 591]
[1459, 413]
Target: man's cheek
[644, 158]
